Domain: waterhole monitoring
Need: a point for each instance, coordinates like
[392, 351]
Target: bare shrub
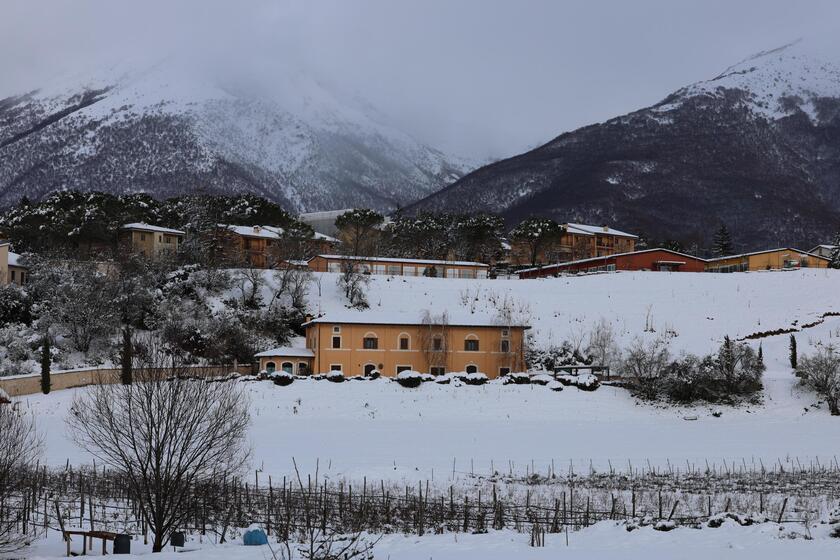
[353, 282]
[647, 363]
[601, 345]
[821, 372]
[20, 448]
[163, 433]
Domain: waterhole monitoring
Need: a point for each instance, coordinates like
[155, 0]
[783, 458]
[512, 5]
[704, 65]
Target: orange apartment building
[257, 245]
[400, 267]
[150, 241]
[576, 242]
[359, 342]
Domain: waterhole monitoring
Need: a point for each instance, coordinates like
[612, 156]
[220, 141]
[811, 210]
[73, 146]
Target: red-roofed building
[649, 259]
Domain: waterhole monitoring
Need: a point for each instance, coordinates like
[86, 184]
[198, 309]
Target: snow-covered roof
[607, 257]
[455, 318]
[592, 230]
[823, 246]
[290, 351]
[396, 260]
[14, 260]
[795, 250]
[269, 232]
[147, 227]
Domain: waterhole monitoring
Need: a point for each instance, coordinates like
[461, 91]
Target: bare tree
[647, 364]
[601, 345]
[20, 448]
[352, 282]
[250, 280]
[821, 372]
[163, 433]
[293, 282]
[434, 338]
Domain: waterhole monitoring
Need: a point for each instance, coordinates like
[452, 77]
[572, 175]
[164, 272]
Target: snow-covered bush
[282, 378]
[541, 379]
[553, 356]
[476, 378]
[821, 372]
[15, 305]
[409, 379]
[586, 382]
[375, 374]
[555, 386]
[646, 363]
[18, 350]
[335, 376]
[517, 378]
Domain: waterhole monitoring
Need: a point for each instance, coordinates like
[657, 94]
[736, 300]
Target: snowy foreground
[444, 433]
[602, 541]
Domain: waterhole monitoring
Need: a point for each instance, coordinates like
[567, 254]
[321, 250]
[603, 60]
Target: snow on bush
[555, 386]
[410, 379]
[282, 378]
[476, 378]
[335, 376]
[542, 379]
[517, 378]
[586, 381]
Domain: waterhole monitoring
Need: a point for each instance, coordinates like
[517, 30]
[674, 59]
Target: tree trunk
[126, 357]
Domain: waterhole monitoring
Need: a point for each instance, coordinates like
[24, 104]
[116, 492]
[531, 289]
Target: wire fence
[100, 500]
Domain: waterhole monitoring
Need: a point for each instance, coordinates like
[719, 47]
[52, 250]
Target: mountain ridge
[167, 130]
[758, 150]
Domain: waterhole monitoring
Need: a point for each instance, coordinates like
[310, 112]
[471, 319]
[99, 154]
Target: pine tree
[793, 360]
[835, 253]
[723, 242]
[46, 360]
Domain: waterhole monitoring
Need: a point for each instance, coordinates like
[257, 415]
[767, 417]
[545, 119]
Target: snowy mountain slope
[167, 130]
[757, 148]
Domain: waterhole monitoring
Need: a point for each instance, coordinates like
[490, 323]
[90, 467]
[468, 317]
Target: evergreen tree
[835, 253]
[793, 359]
[760, 358]
[723, 242]
[537, 234]
[46, 360]
[358, 228]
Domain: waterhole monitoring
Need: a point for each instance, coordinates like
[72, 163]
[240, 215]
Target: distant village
[350, 242]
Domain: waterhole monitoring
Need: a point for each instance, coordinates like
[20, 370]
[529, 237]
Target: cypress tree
[761, 356]
[45, 365]
[126, 357]
[793, 360]
[835, 253]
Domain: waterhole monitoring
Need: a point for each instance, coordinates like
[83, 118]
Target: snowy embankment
[378, 429]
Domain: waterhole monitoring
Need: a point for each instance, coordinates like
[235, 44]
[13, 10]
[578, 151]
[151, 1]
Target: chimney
[606, 229]
[256, 229]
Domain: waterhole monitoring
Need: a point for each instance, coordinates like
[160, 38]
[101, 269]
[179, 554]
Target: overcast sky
[484, 78]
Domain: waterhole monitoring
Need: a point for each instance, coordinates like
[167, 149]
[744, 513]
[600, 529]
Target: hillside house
[261, 246]
[356, 342]
[291, 359]
[661, 260]
[150, 241]
[576, 242]
[823, 250]
[12, 271]
[771, 259]
[400, 267]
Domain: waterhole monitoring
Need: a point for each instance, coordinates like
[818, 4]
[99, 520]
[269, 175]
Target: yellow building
[771, 259]
[11, 269]
[151, 241]
[359, 342]
[575, 242]
[290, 359]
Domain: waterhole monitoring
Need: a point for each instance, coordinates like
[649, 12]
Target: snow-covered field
[606, 540]
[379, 430]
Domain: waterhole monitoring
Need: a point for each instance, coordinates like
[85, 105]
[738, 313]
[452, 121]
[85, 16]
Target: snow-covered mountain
[167, 130]
[756, 148]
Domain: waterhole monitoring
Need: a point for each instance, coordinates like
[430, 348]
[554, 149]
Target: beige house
[823, 250]
[771, 259]
[290, 359]
[400, 267]
[576, 242]
[11, 269]
[359, 342]
[151, 241]
[259, 246]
